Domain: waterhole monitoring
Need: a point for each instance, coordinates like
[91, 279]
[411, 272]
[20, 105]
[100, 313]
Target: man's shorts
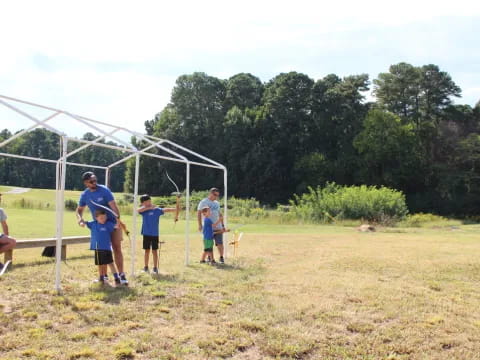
[218, 239]
[207, 244]
[103, 257]
[150, 242]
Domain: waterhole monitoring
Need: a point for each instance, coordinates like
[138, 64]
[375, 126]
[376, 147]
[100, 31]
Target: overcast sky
[117, 61]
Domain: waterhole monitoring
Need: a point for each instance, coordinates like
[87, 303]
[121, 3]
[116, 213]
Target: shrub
[417, 220]
[70, 205]
[335, 202]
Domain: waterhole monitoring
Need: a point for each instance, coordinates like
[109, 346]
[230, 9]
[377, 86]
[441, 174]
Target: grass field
[310, 292]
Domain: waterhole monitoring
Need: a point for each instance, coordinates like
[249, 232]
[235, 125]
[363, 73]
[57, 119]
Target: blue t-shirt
[101, 235]
[102, 195]
[151, 220]
[214, 210]
[208, 228]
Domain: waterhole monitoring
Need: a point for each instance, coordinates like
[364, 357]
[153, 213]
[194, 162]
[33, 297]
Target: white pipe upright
[187, 216]
[225, 211]
[135, 206]
[59, 209]
[107, 177]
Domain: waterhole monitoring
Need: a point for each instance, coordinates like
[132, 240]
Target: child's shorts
[150, 242]
[103, 257]
[208, 245]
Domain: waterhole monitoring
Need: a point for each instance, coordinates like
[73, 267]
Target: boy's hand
[81, 222]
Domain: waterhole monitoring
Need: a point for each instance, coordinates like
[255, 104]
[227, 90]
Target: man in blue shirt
[100, 194]
[151, 221]
[211, 202]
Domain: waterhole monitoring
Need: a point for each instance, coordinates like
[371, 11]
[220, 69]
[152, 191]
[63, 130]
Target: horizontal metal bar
[86, 165]
[163, 157]
[27, 158]
[48, 160]
[102, 145]
[79, 118]
[28, 116]
[128, 157]
[193, 153]
[17, 135]
[206, 165]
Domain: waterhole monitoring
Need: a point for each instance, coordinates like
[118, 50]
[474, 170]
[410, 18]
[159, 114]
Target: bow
[177, 194]
[120, 223]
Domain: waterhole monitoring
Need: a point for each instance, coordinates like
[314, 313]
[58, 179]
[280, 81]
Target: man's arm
[220, 216]
[199, 217]
[113, 205]
[219, 221]
[79, 213]
[5, 227]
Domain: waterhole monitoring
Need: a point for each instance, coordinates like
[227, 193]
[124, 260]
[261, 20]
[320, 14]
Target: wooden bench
[36, 243]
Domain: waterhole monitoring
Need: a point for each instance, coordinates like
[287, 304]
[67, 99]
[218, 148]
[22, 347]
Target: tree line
[41, 143]
[293, 132]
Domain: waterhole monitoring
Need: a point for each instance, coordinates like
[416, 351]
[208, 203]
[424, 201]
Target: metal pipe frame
[17, 135]
[61, 167]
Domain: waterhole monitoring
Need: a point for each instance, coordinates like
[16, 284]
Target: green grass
[294, 292]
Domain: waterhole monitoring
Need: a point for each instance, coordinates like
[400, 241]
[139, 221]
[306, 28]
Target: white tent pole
[135, 206]
[225, 210]
[107, 176]
[187, 216]
[59, 208]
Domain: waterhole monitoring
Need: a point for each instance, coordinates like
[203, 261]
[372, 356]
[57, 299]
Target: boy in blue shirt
[101, 229]
[208, 226]
[151, 220]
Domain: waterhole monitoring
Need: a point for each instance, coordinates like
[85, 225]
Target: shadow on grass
[166, 277]
[229, 267]
[114, 294]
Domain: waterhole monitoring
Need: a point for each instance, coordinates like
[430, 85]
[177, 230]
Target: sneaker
[222, 260]
[208, 258]
[213, 262]
[117, 279]
[203, 262]
[101, 280]
[155, 270]
[145, 269]
[123, 279]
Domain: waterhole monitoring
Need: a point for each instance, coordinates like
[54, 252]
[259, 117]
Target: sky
[117, 61]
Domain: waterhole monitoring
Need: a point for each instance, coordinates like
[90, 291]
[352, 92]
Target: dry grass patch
[332, 293]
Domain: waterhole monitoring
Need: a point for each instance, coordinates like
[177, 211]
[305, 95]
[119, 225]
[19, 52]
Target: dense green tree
[243, 91]
[338, 110]
[388, 151]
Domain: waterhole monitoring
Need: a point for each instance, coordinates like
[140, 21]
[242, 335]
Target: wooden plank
[8, 256]
[34, 243]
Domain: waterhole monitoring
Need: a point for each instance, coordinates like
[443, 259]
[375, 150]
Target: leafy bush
[30, 204]
[421, 219]
[70, 205]
[335, 202]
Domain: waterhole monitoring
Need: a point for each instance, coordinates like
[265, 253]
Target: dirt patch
[17, 191]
